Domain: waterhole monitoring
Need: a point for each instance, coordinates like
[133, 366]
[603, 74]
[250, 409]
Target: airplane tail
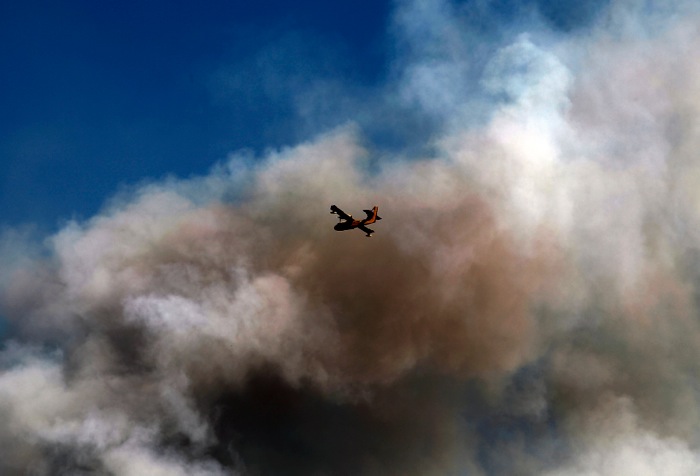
[372, 214]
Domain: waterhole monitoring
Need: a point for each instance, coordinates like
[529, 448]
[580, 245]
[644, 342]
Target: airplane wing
[366, 230]
[341, 214]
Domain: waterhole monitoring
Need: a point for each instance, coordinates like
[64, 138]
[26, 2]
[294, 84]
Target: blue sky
[99, 94]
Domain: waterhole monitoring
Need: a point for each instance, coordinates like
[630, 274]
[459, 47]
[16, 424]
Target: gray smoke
[527, 306]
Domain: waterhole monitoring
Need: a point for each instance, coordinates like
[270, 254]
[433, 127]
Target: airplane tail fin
[370, 213]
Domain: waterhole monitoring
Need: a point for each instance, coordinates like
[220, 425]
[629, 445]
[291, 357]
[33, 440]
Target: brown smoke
[260, 305]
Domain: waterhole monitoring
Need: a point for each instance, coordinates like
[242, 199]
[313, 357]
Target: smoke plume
[528, 305]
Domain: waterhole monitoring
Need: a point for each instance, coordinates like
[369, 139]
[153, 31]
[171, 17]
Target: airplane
[349, 223]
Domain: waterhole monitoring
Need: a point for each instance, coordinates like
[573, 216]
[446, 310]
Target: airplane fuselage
[347, 225]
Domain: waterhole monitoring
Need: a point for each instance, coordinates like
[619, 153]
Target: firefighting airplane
[346, 222]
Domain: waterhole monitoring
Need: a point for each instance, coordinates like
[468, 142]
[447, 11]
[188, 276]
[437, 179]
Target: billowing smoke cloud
[527, 306]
